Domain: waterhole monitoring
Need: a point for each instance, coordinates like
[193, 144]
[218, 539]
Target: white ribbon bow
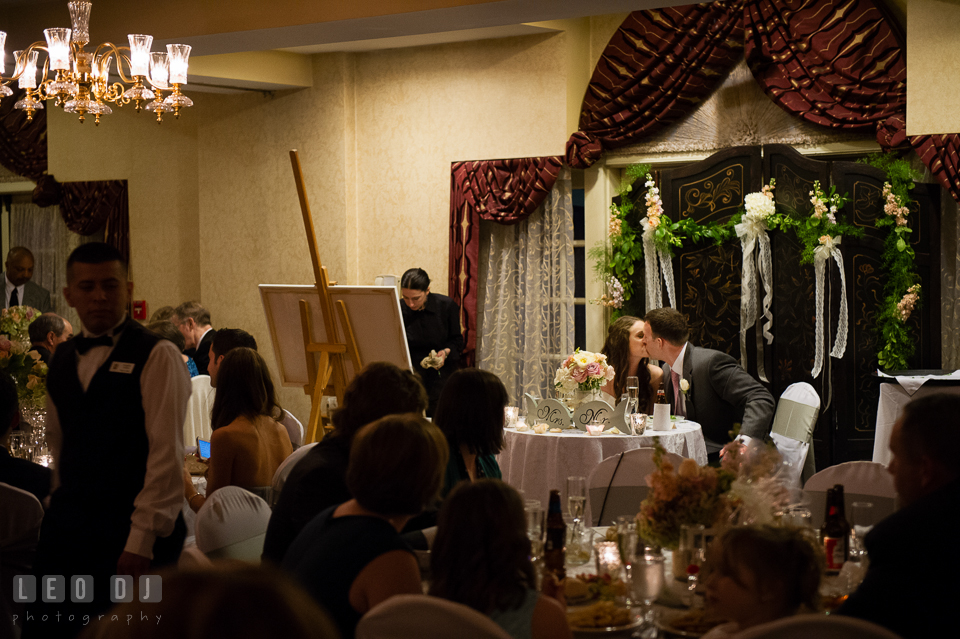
[752, 232]
[830, 248]
[652, 256]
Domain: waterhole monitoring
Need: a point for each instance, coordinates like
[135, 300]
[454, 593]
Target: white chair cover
[283, 470]
[192, 558]
[294, 428]
[20, 517]
[792, 430]
[818, 626]
[232, 523]
[862, 481]
[199, 409]
[424, 617]
[620, 480]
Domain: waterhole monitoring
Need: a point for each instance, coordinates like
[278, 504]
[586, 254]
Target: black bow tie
[84, 344]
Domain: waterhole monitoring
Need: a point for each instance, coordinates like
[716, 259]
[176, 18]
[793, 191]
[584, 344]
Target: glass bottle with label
[835, 532]
[661, 395]
[554, 556]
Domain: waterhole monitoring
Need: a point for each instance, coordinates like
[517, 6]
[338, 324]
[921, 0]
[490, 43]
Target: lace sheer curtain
[525, 322]
[44, 232]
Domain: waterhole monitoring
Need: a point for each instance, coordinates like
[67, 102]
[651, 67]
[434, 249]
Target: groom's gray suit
[721, 394]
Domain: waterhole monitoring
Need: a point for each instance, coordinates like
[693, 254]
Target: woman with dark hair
[432, 323]
[481, 558]
[351, 557]
[625, 352]
[247, 444]
[318, 480]
[470, 414]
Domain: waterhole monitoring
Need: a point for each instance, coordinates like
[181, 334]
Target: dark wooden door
[708, 282]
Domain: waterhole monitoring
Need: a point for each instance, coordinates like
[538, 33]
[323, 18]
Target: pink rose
[595, 370]
[580, 375]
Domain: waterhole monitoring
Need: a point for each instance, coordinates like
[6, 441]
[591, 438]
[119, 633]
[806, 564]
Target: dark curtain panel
[88, 207]
[503, 191]
[657, 67]
[23, 145]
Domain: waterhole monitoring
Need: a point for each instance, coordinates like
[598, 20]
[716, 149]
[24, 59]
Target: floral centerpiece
[18, 359]
[745, 489]
[583, 371]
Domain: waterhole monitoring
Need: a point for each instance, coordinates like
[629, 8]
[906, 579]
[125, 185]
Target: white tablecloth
[535, 464]
[893, 398]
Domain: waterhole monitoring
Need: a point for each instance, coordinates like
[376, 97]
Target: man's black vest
[103, 456]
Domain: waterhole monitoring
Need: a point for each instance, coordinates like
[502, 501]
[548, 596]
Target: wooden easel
[333, 351]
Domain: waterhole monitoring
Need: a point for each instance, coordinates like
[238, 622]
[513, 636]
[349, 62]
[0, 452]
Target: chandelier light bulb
[179, 54]
[80, 21]
[3, 52]
[159, 70]
[28, 79]
[58, 48]
[139, 53]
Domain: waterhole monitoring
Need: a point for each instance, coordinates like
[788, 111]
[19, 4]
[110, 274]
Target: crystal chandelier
[79, 81]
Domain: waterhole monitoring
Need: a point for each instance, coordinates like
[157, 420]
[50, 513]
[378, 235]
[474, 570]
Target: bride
[625, 352]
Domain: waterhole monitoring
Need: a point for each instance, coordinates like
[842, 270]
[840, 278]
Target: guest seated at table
[247, 444]
[470, 414]
[625, 352]
[757, 574]
[21, 473]
[910, 586]
[481, 558]
[169, 331]
[351, 557]
[239, 602]
[318, 481]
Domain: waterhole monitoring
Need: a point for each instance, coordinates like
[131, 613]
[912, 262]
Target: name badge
[121, 367]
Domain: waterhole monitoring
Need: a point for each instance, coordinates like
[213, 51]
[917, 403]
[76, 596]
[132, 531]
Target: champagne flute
[633, 393]
[692, 551]
[576, 502]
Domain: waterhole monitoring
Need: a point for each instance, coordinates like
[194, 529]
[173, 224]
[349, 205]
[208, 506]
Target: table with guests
[327, 555]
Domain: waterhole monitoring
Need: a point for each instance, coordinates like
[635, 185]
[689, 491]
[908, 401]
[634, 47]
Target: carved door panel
[855, 386]
[708, 277]
[790, 357]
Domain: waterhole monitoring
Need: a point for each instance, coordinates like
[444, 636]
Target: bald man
[20, 291]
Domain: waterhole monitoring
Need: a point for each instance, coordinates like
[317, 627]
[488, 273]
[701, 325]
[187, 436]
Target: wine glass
[633, 392]
[646, 581]
[861, 522]
[692, 550]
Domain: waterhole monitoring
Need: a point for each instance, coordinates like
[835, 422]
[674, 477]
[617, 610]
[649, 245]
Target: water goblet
[646, 581]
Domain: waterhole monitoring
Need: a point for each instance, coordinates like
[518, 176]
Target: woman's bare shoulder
[656, 374]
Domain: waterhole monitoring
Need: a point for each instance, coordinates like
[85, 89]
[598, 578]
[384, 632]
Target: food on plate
[599, 615]
[603, 588]
[612, 534]
[575, 590]
[694, 622]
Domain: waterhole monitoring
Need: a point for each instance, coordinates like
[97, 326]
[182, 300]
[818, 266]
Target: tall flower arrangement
[901, 288]
[583, 371]
[18, 360]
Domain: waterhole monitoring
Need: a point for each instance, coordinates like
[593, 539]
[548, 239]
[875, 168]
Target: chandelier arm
[118, 52]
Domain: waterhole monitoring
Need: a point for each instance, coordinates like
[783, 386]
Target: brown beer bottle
[661, 395]
[835, 532]
[554, 556]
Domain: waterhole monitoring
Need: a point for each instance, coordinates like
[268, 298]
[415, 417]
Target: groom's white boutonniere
[684, 386]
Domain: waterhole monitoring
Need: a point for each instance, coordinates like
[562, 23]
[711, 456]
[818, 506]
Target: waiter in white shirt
[117, 398]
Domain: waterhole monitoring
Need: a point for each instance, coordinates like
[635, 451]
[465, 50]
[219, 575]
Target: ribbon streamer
[831, 248]
[752, 232]
[656, 275]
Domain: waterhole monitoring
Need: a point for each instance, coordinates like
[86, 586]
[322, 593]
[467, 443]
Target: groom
[712, 388]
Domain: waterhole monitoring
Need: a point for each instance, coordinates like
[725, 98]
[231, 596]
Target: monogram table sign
[554, 413]
[595, 412]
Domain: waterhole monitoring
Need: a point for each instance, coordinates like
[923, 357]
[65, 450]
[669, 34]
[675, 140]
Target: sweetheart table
[535, 464]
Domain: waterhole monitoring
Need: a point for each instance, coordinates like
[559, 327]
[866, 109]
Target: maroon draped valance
[23, 144]
[503, 191]
[89, 207]
[838, 63]
[657, 67]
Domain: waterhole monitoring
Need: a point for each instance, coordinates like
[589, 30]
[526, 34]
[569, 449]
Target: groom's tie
[678, 407]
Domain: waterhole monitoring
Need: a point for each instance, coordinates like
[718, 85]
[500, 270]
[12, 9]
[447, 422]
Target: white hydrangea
[759, 205]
